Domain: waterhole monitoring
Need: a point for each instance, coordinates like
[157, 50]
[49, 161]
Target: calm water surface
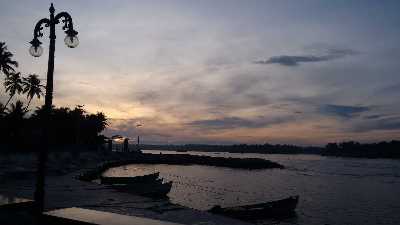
[332, 190]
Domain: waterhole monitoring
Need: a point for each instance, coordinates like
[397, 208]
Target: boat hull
[130, 180]
[280, 208]
[157, 190]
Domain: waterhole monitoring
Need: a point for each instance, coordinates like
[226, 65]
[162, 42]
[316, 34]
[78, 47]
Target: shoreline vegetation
[382, 149]
[70, 129]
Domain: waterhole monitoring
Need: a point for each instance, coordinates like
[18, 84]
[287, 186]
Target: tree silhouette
[15, 122]
[2, 113]
[7, 65]
[70, 129]
[371, 150]
[32, 87]
[13, 84]
[17, 111]
[72, 126]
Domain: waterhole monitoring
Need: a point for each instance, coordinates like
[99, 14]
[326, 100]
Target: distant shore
[385, 149]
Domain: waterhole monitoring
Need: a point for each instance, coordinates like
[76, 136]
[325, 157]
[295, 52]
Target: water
[332, 190]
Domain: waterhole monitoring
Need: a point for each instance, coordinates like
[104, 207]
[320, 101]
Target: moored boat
[130, 180]
[151, 189]
[277, 208]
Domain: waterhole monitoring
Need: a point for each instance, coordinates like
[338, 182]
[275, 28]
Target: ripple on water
[332, 190]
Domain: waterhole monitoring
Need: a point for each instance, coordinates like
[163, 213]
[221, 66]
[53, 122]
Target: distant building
[119, 143]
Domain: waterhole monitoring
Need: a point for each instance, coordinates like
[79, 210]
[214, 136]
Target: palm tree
[6, 63]
[16, 111]
[15, 122]
[13, 84]
[1, 110]
[32, 87]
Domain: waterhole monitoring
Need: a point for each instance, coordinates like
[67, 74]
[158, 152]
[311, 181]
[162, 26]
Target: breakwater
[179, 159]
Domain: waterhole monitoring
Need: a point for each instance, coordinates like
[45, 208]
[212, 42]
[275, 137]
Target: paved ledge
[9, 203]
[16, 211]
[79, 216]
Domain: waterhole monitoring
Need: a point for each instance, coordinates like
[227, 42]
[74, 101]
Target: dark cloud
[341, 52]
[392, 90]
[225, 123]
[293, 60]
[371, 117]
[388, 123]
[237, 122]
[343, 110]
[287, 60]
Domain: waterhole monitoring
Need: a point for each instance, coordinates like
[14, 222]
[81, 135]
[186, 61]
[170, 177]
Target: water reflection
[332, 190]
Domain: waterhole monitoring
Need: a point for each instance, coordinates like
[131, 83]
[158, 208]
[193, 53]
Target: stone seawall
[180, 159]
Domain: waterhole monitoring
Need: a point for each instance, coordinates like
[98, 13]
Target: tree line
[21, 128]
[383, 149]
[239, 148]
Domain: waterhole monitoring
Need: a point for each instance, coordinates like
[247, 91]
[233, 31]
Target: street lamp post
[71, 40]
[138, 138]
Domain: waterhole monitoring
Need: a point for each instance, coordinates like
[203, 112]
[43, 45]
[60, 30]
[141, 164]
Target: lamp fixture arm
[38, 31]
[66, 19]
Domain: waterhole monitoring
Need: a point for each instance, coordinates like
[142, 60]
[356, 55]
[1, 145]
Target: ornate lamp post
[71, 40]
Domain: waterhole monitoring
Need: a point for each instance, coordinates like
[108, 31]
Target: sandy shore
[17, 178]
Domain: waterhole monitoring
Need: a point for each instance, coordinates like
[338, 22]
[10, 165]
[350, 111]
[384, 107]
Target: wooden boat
[278, 208]
[130, 180]
[151, 189]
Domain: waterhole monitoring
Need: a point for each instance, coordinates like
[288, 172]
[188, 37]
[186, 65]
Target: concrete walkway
[93, 217]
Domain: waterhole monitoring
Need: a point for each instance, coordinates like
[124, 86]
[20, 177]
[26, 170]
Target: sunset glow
[225, 72]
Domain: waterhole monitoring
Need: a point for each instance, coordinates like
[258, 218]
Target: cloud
[187, 94]
[386, 123]
[224, 123]
[372, 117]
[392, 90]
[295, 60]
[237, 122]
[287, 60]
[343, 110]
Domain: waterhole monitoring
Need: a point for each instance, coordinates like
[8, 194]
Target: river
[334, 191]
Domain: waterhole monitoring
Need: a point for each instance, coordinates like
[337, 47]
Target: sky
[222, 72]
